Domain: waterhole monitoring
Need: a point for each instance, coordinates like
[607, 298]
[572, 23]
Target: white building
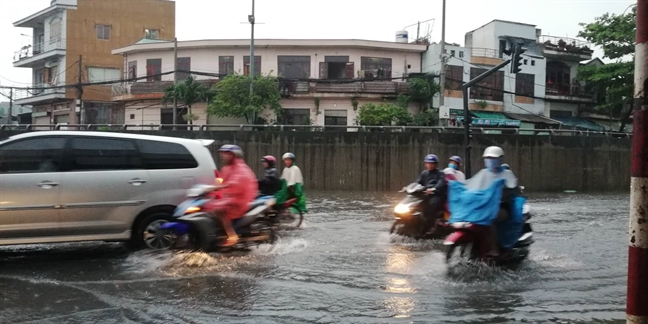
[305, 61]
[545, 87]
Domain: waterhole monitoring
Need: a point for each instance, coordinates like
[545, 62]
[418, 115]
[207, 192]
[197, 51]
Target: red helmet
[269, 158]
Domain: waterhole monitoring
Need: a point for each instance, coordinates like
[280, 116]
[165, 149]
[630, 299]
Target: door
[349, 71]
[30, 177]
[105, 187]
[323, 70]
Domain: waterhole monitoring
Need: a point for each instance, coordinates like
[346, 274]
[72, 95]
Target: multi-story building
[302, 63]
[73, 39]
[546, 86]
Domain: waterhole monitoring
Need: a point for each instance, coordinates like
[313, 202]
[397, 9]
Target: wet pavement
[342, 267]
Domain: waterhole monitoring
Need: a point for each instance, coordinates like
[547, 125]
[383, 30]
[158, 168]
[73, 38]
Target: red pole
[637, 305]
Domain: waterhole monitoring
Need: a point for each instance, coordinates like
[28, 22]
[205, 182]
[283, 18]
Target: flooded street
[342, 267]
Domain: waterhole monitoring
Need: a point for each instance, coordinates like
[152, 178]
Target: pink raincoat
[242, 188]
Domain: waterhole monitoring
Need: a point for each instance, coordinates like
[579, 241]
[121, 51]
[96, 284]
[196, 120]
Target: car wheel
[148, 234]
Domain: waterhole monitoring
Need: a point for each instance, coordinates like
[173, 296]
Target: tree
[188, 93]
[422, 91]
[233, 97]
[614, 81]
[384, 114]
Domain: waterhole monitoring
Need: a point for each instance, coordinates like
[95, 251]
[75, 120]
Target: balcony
[567, 92]
[31, 55]
[486, 56]
[46, 94]
[564, 48]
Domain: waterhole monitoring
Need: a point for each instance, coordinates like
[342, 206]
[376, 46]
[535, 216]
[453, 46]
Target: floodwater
[342, 267]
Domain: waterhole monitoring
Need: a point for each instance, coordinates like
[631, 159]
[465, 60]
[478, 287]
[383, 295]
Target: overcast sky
[320, 19]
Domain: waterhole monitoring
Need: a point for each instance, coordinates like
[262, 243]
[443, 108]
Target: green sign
[488, 122]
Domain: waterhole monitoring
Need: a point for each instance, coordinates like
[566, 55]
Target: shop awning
[612, 125]
[492, 119]
[535, 119]
[580, 123]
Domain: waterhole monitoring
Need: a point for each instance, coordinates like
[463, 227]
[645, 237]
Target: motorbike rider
[493, 170]
[270, 183]
[238, 188]
[436, 186]
[453, 170]
[292, 183]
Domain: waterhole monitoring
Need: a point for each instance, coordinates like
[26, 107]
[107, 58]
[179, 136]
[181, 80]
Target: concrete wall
[387, 161]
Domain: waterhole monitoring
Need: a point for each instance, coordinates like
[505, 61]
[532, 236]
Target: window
[376, 67]
[90, 154]
[132, 69]
[335, 118]
[164, 155]
[153, 70]
[34, 155]
[103, 31]
[295, 116]
[454, 77]
[452, 53]
[151, 33]
[526, 62]
[103, 74]
[532, 62]
[166, 117]
[294, 67]
[461, 54]
[257, 65]
[184, 64]
[132, 116]
[55, 30]
[491, 88]
[525, 84]
[336, 67]
[225, 65]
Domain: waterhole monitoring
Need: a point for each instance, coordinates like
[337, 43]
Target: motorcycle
[195, 228]
[284, 214]
[409, 214]
[469, 241]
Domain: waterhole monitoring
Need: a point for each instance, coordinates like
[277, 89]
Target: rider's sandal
[230, 241]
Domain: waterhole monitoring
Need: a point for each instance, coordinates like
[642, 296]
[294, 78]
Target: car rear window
[164, 155]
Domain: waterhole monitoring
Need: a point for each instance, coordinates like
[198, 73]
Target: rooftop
[501, 21]
[207, 43]
[33, 21]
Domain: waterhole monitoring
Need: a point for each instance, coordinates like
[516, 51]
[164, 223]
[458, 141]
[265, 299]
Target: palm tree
[189, 92]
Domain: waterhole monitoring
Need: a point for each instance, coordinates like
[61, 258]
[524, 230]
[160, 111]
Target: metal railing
[39, 48]
[317, 128]
[485, 52]
[45, 89]
[568, 90]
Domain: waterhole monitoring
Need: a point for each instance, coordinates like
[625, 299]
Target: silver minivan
[67, 186]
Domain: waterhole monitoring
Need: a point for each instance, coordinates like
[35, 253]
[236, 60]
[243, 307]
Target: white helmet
[493, 152]
[288, 156]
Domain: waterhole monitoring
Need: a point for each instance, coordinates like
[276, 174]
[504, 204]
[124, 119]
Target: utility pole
[443, 62]
[637, 295]
[175, 81]
[11, 106]
[251, 19]
[79, 105]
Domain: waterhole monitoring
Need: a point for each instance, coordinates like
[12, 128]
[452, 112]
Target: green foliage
[426, 117]
[482, 104]
[188, 93]
[385, 114]
[614, 33]
[422, 91]
[233, 97]
[613, 83]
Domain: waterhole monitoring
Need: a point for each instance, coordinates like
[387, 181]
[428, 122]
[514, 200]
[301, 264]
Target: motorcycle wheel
[457, 253]
[394, 226]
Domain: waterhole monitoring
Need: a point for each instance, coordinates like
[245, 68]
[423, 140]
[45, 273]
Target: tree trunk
[624, 118]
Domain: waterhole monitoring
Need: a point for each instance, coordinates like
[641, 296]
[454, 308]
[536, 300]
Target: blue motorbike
[196, 227]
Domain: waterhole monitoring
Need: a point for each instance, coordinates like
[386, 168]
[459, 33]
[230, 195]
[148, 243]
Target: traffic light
[516, 61]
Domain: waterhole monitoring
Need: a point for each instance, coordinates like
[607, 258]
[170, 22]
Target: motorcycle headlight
[401, 209]
[192, 209]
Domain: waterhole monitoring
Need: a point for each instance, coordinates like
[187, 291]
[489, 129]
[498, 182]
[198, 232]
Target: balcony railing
[565, 44]
[567, 90]
[44, 89]
[485, 52]
[39, 48]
